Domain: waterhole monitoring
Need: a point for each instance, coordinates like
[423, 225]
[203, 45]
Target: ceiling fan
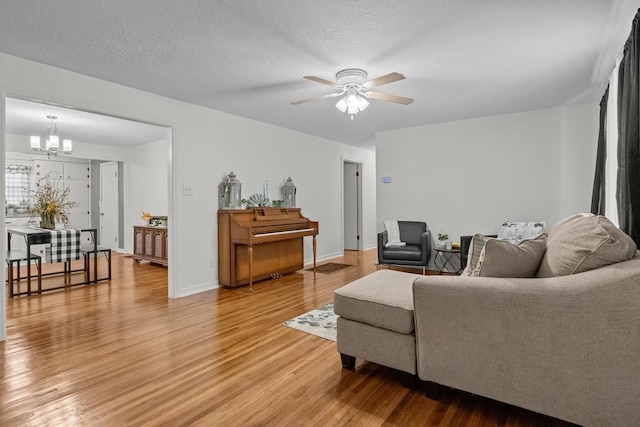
[353, 84]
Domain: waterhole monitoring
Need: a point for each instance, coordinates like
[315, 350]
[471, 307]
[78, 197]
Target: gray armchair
[417, 250]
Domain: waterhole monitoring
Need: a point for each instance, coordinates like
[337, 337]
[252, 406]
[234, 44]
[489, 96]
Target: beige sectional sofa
[566, 344]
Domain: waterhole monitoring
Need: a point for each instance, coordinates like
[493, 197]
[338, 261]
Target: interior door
[351, 179]
[109, 202]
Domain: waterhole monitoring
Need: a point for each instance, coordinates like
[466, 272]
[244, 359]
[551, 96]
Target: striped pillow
[475, 249]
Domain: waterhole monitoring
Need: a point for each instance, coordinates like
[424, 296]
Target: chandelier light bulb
[54, 142]
[35, 142]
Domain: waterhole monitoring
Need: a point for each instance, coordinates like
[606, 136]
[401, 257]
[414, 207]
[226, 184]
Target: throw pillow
[582, 243]
[475, 249]
[501, 258]
[515, 232]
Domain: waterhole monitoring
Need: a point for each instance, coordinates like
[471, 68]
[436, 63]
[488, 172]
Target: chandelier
[52, 141]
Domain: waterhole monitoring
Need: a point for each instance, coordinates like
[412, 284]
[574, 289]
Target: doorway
[352, 205]
[109, 205]
[127, 147]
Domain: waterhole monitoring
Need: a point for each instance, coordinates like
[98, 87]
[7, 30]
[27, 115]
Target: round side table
[444, 258]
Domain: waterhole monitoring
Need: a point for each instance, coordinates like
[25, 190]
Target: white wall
[147, 182]
[469, 176]
[206, 145]
[580, 126]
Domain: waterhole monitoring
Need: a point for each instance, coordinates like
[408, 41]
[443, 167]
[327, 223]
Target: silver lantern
[288, 194]
[232, 192]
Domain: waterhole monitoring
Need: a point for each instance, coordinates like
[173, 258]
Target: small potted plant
[442, 240]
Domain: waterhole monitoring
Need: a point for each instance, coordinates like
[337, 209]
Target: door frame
[358, 201]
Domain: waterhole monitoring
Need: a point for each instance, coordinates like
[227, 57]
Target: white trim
[3, 291]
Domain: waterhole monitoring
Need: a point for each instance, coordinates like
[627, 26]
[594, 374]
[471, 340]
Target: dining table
[35, 236]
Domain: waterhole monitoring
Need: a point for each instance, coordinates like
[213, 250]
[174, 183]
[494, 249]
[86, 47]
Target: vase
[48, 222]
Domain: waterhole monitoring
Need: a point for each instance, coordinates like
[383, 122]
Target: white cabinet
[62, 169]
[43, 167]
[77, 176]
[80, 191]
[77, 171]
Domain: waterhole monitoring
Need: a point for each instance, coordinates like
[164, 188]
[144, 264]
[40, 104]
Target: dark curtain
[597, 197]
[628, 188]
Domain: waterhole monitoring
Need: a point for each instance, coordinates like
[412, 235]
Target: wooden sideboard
[150, 244]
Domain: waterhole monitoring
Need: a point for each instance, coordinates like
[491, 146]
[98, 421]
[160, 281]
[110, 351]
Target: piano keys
[261, 243]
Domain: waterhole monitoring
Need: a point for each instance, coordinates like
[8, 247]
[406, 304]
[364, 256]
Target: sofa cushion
[404, 253]
[383, 299]
[500, 258]
[475, 249]
[582, 243]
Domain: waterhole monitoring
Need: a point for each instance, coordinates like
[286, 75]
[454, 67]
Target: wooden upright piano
[261, 243]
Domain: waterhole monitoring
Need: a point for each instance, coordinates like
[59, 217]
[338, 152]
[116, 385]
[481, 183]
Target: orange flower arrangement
[146, 216]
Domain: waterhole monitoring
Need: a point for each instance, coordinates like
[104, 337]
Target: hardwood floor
[122, 353]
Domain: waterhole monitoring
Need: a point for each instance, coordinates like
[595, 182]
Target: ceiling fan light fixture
[352, 103]
[342, 104]
[355, 88]
[362, 103]
[352, 99]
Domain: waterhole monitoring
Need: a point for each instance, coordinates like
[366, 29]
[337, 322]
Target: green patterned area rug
[320, 322]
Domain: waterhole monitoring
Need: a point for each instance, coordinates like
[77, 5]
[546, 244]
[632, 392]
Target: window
[17, 188]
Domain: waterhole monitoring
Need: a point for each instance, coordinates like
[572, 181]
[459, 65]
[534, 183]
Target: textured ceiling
[461, 59]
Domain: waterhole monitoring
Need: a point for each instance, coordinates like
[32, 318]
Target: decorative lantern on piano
[288, 194]
[231, 192]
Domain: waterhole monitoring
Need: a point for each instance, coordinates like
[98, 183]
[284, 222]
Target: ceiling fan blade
[322, 81]
[329, 95]
[383, 80]
[385, 97]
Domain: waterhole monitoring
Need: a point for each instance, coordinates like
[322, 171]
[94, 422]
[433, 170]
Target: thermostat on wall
[386, 179]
